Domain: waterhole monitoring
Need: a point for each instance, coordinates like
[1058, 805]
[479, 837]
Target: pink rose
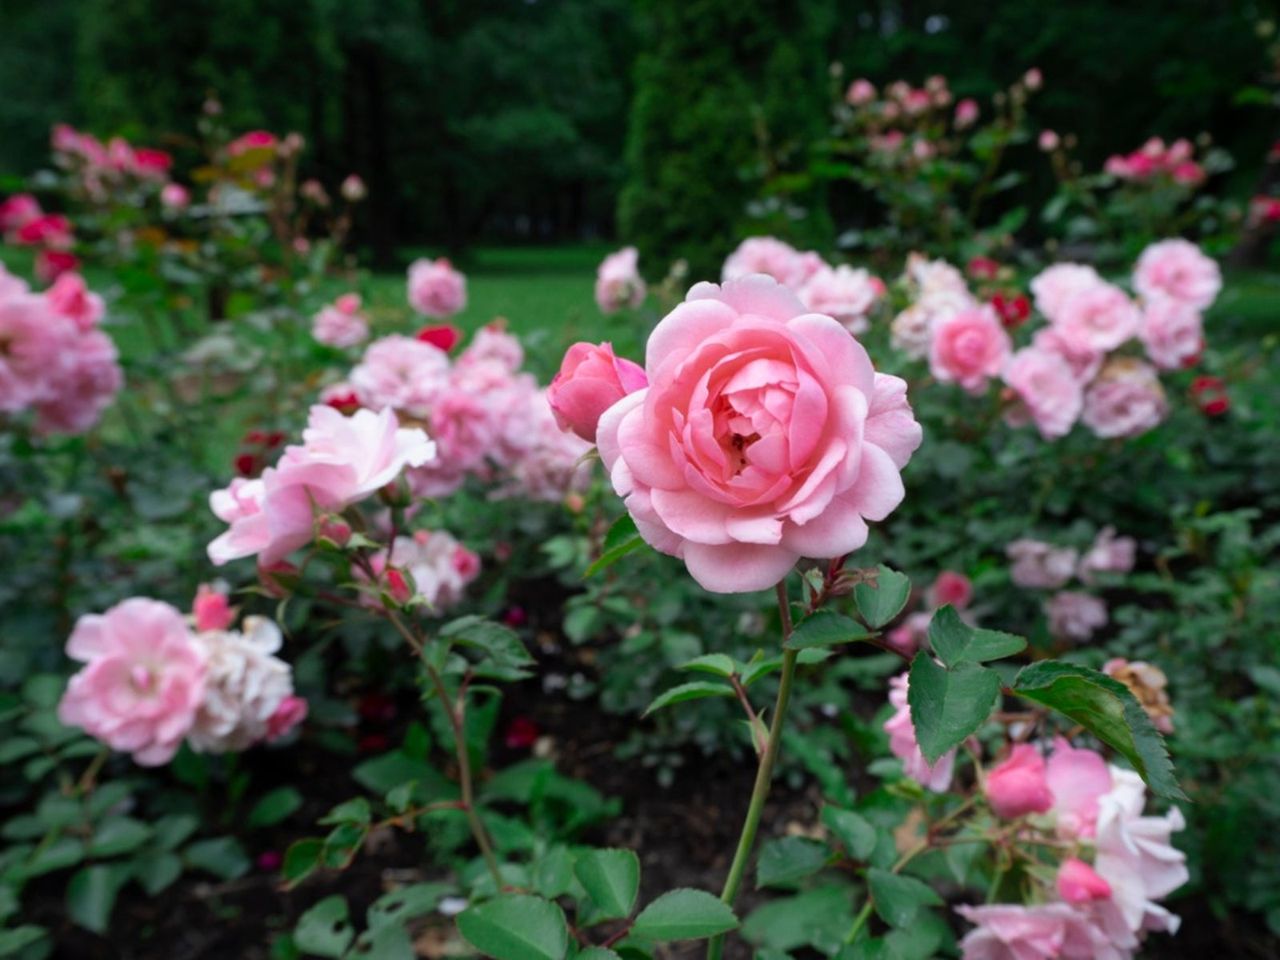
[1083, 360]
[51, 230]
[968, 347]
[353, 189]
[1054, 285]
[861, 91]
[212, 609]
[1047, 389]
[51, 264]
[1100, 316]
[85, 385]
[904, 746]
[493, 345]
[287, 716]
[71, 297]
[1040, 565]
[843, 292]
[174, 196]
[1009, 931]
[590, 381]
[774, 258]
[151, 164]
[618, 281]
[966, 113]
[142, 682]
[436, 289]
[1078, 883]
[1109, 554]
[1016, 786]
[1077, 779]
[341, 324]
[402, 373]
[1125, 400]
[37, 342]
[764, 435]
[1075, 616]
[1172, 332]
[1048, 141]
[1178, 269]
[16, 212]
[951, 588]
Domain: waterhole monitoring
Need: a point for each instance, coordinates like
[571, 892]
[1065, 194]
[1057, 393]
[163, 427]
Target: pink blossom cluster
[153, 678]
[24, 223]
[1114, 867]
[1157, 160]
[1073, 614]
[341, 323]
[54, 360]
[618, 281]
[438, 569]
[938, 292]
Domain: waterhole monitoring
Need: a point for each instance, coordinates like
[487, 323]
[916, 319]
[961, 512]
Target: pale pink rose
[11, 286]
[1101, 316]
[174, 196]
[441, 568]
[968, 348]
[353, 189]
[1033, 79]
[618, 281]
[436, 289]
[212, 609]
[764, 435]
[1048, 141]
[401, 373]
[1047, 390]
[774, 258]
[951, 588]
[1136, 855]
[1125, 400]
[904, 746]
[86, 382]
[936, 277]
[1078, 883]
[289, 714]
[1109, 554]
[590, 381]
[464, 426]
[142, 683]
[966, 113]
[341, 324]
[1083, 360]
[71, 297]
[1172, 332]
[922, 149]
[1178, 269]
[37, 343]
[1017, 786]
[1077, 779]
[1007, 931]
[916, 102]
[1054, 285]
[550, 466]
[862, 91]
[16, 212]
[912, 329]
[1040, 565]
[493, 345]
[1074, 615]
[843, 292]
[245, 684]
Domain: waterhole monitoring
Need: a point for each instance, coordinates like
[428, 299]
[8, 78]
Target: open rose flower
[764, 436]
[1054, 285]
[1100, 316]
[843, 292]
[590, 381]
[774, 258]
[618, 281]
[436, 289]
[1125, 400]
[1047, 390]
[969, 347]
[1179, 270]
[1172, 332]
[341, 324]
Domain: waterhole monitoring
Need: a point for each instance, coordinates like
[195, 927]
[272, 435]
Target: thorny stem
[764, 774]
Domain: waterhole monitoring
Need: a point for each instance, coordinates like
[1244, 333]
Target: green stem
[764, 775]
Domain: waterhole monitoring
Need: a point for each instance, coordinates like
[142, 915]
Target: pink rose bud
[336, 530]
[212, 609]
[1078, 883]
[398, 585]
[590, 381]
[1017, 786]
[951, 588]
[291, 712]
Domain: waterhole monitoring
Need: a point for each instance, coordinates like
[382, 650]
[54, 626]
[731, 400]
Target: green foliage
[948, 705]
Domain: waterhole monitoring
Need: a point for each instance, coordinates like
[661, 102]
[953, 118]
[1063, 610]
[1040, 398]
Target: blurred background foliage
[551, 120]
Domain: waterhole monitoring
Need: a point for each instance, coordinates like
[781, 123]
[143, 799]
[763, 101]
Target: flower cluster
[153, 678]
[618, 281]
[341, 324]
[54, 360]
[24, 223]
[1073, 614]
[429, 565]
[1156, 160]
[103, 167]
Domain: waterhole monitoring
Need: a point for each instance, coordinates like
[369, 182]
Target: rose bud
[590, 381]
[1017, 786]
[1078, 882]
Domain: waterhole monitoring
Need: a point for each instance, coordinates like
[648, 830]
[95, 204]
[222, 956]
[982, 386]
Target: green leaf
[19, 938]
[384, 943]
[302, 857]
[684, 914]
[1108, 709]
[826, 628]
[816, 918]
[404, 904]
[954, 641]
[948, 705]
[63, 852]
[880, 602]
[898, 898]
[786, 860]
[851, 829]
[622, 538]
[355, 810]
[91, 895]
[716, 663]
[274, 807]
[516, 927]
[117, 835]
[383, 774]
[221, 856]
[325, 929]
[156, 871]
[697, 690]
[173, 829]
[612, 881]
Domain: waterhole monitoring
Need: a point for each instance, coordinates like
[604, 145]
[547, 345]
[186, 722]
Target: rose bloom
[1083, 360]
[774, 258]
[1048, 141]
[1109, 554]
[174, 196]
[51, 264]
[549, 468]
[951, 588]
[590, 381]
[142, 683]
[1054, 285]
[1077, 882]
[245, 684]
[353, 189]
[51, 230]
[341, 324]
[935, 276]
[253, 140]
[966, 113]
[843, 292]
[401, 373]
[71, 297]
[764, 435]
[968, 347]
[912, 329]
[87, 381]
[16, 212]
[441, 567]
[1078, 779]
[493, 345]
[1100, 316]
[1047, 390]
[860, 92]
[1172, 333]
[904, 746]
[37, 345]
[436, 289]
[1043, 931]
[1016, 786]
[1125, 400]
[618, 281]
[11, 286]
[1040, 565]
[1075, 616]
[211, 609]
[1178, 269]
